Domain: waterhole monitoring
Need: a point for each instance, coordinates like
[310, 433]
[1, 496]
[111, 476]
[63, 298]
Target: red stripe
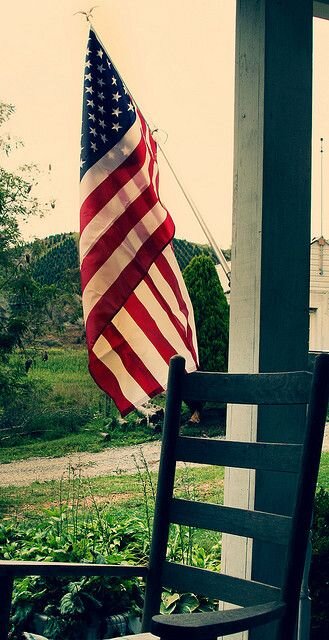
[170, 276]
[131, 361]
[116, 296]
[115, 235]
[107, 381]
[101, 195]
[183, 331]
[142, 317]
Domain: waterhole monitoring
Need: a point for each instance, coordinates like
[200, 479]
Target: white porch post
[271, 235]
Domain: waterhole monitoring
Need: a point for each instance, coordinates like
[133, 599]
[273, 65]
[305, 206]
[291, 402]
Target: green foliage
[79, 529]
[211, 313]
[24, 302]
[57, 409]
[319, 574]
[60, 263]
[185, 251]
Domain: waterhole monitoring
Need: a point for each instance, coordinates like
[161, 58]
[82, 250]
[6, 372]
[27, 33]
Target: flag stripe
[131, 360]
[107, 381]
[171, 306]
[166, 263]
[100, 307]
[131, 222]
[165, 334]
[150, 230]
[128, 385]
[109, 215]
[109, 187]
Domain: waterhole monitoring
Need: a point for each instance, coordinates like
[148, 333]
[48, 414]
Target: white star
[89, 90]
[91, 117]
[88, 51]
[101, 96]
[101, 109]
[103, 137]
[88, 77]
[116, 126]
[100, 68]
[116, 96]
[81, 150]
[108, 64]
[100, 53]
[102, 124]
[114, 80]
[100, 82]
[82, 162]
[130, 106]
[88, 64]
[116, 112]
[93, 146]
[92, 131]
[90, 103]
[125, 90]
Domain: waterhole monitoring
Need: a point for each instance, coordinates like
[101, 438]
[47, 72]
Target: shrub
[319, 573]
[211, 313]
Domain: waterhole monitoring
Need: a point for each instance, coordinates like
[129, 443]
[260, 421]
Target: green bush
[319, 574]
[211, 313]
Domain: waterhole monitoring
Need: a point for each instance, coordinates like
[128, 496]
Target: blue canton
[108, 111]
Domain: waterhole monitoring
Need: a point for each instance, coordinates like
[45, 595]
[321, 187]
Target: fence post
[6, 591]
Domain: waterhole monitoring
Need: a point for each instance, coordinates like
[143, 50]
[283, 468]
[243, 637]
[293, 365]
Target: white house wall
[319, 296]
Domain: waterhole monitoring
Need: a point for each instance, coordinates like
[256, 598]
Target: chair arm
[30, 568]
[207, 626]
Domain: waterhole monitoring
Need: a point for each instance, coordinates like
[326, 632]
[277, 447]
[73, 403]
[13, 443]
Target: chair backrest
[295, 388]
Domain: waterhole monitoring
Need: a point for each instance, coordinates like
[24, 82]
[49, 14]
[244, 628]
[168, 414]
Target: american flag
[136, 307]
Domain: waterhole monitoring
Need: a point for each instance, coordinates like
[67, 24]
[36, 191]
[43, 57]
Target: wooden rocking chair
[257, 603]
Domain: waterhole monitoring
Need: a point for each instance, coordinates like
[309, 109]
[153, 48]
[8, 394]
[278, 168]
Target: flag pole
[206, 231]
[218, 252]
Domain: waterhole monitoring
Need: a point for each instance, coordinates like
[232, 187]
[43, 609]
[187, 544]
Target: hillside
[55, 261]
[56, 258]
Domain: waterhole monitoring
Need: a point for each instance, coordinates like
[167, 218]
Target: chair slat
[30, 568]
[243, 455]
[241, 522]
[237, 591]
[242, 388]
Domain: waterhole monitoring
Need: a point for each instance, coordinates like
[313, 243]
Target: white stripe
[121, 257]
[113, 209]
[141, 345]
[162, 320]
[110, 161]
[169, 255]
[168, 294]
[128, 385]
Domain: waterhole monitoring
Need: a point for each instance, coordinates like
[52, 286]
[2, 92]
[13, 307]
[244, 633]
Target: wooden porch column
[271, 236]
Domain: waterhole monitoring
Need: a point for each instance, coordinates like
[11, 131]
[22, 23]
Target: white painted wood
[271, 209]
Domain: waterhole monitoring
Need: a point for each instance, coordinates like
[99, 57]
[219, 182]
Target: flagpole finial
[88, 14]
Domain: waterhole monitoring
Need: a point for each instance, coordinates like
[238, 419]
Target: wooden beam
[270, 252]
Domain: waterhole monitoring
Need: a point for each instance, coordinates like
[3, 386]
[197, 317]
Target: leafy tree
[23, 301]
[211, 312]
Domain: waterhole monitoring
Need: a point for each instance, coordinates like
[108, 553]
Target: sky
[177, 59]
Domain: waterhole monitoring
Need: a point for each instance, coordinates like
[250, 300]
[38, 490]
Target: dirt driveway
[116, 460]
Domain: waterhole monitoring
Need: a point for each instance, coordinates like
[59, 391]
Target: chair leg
[6, 591]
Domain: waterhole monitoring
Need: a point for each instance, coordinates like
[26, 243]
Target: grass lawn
[118, 492]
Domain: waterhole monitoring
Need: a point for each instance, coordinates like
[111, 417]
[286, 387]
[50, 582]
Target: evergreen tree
[211, 312]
